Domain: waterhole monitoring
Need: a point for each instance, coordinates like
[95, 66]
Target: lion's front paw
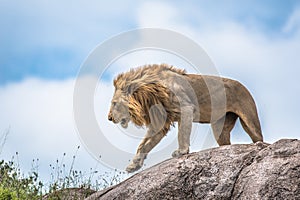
[135, 164]
[178, 153]
[132, 167]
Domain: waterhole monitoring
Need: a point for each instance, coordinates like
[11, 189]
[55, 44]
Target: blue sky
[50, 39]
[44, 43]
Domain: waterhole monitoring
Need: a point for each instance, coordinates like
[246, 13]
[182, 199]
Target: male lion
[156, 96]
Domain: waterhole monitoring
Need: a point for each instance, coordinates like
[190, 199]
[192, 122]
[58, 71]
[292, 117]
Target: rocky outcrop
[241, 171]
[69, 194]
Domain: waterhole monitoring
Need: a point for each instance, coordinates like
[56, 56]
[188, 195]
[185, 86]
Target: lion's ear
[132, 88]
[129, 90]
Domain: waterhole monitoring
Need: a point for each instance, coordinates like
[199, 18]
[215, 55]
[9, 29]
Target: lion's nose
[109, 117]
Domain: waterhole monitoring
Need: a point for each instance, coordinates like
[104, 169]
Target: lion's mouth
[124, 123]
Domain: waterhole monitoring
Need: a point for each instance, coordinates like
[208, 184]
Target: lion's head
[140, 97]
[118, 112]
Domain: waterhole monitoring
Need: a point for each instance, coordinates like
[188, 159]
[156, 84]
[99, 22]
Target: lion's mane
[142, 88]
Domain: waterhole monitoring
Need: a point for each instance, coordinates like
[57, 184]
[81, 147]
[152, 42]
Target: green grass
[64, 182]
[14, 186]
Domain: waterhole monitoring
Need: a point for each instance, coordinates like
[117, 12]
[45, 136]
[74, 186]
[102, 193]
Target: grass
[15, 186]
[65, 182]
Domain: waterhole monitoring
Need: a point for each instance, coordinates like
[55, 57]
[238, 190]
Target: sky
[44, 43]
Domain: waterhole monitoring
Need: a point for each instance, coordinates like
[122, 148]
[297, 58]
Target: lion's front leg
[184, 131]
[136, 163]
[148, 143]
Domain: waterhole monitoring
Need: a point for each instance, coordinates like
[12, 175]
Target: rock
[274, 173]
[241, 171]
[69, 194]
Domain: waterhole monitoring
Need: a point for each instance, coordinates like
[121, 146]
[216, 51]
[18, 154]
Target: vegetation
[14, 186]
[65, 183]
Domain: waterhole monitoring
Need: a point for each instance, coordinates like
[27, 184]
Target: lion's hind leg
[253, 129]
[223, 127]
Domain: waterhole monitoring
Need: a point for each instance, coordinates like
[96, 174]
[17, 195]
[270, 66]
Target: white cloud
[158, 14]
[40, 116]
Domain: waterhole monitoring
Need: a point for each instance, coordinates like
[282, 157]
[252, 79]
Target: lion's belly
[201, 117]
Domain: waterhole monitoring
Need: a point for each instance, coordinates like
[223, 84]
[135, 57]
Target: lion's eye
[114, 103]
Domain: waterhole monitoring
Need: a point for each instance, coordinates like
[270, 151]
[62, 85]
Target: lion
[157, 96]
